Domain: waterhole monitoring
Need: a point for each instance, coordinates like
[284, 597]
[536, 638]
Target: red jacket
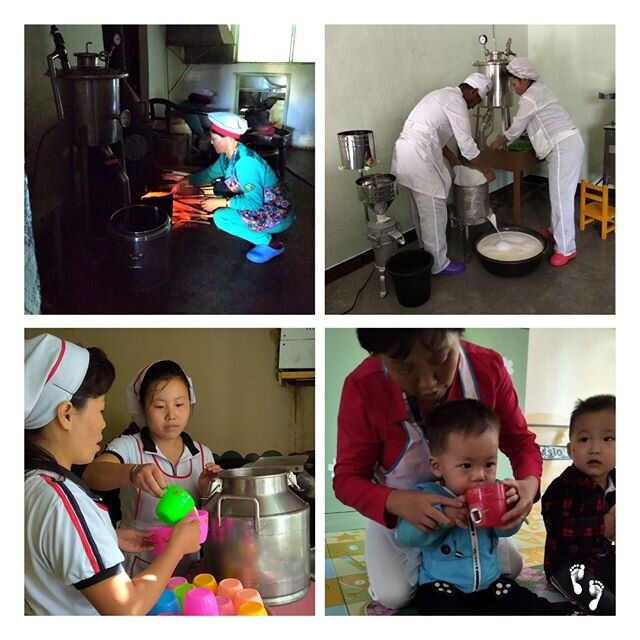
[369, 429]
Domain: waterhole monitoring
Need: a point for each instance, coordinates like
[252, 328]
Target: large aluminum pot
[91, 101]
[259, 533]
[471, 204]
[357, 149]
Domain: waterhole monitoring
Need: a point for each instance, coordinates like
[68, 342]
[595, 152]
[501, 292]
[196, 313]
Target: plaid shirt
[573, 509]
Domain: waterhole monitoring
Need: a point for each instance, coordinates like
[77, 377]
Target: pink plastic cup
[229, 587]
[200, 602]
[246, 595]
[175, 582]
[203, 517]
[159, 537]
[225, 606]
[487, 504]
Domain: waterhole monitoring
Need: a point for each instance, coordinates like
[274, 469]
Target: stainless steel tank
[357, 149]
[259, 533]
[91, 100]
[495, 67]
[377, 191]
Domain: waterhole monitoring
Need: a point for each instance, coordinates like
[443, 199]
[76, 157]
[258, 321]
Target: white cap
[134, 401]
[53, 371]
[480, 82]
[203, 91]
[522, 68]
[227, 124]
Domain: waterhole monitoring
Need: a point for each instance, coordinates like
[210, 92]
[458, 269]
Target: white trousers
[429, 217]
[393, 568]
[565, 164]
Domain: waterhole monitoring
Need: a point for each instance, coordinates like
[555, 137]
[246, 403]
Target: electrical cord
[366, 282]
[39, 147]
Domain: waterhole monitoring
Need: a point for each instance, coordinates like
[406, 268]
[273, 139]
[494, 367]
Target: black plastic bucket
[268, 152]
[410, 273]
[142, 254]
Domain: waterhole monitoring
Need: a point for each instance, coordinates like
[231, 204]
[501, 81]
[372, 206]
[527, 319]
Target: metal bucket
[377, 191]
[91, 100]
[470, 204]
[142, 235]
[259, 533]
[357, 149]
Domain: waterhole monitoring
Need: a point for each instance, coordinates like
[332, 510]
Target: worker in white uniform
[73, 555]
[556, 139]
[418, 161]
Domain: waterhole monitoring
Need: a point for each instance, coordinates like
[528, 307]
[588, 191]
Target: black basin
[511, 268]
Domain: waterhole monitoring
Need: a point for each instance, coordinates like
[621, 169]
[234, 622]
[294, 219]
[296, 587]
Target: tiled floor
[346, 574]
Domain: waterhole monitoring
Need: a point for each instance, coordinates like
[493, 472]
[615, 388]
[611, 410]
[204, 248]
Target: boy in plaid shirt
[579, 511]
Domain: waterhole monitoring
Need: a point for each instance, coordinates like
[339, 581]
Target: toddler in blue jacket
[459, 570]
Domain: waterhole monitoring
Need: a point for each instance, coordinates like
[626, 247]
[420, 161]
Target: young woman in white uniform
[418, 161]
[556, 139]
[73, 556]
[161, 453]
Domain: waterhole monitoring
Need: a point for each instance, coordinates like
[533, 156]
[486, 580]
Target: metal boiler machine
[500, 99]
[376, 191]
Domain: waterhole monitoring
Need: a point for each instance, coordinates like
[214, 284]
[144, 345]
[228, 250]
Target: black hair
[593, 404]
[162, 371]
[397, 343]
[97, 381]
[459, 416]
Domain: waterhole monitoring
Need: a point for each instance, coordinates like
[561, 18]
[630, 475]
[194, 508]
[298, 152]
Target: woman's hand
[209, 473]
[211, 204]
[520, 495]
[148, 478]
[610, 524]
[459, 515]
[185, 536]
[133, 540]
[500, 141]
[417, 508]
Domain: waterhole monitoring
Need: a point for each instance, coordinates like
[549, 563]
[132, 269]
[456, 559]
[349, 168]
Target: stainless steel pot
[471, 204]
[357, 149]
[259, 533]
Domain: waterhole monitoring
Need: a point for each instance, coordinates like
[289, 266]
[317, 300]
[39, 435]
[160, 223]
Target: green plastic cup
[180, 590]
[174, 505]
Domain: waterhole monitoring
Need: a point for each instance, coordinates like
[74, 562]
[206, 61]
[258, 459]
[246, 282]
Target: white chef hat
[522, 68]
[134, 401]
[227, 124]
[53, 371]
[480, 82]
[204, 91]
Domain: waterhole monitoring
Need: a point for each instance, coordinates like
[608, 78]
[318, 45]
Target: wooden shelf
[296, 376]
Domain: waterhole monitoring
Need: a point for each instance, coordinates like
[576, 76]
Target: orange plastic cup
[206, 581]
[252, 609]
[246, 595]
[229, 587]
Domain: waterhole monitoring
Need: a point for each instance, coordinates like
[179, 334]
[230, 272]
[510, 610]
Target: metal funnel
[377, 191]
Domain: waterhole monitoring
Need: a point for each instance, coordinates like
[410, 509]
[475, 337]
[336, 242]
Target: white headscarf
[480, 82]
[135, 402]
[522, 68]
[53, 371]
[227, 124]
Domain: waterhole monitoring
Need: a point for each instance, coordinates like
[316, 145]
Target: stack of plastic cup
[246, 595]
[166, 605]
[199, 602]
[180, 591]
[206, 581]
[252, 609]
[176, 581]
[229, 587]
[225, 606]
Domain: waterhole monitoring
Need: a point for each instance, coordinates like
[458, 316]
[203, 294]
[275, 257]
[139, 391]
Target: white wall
[376, 74]
[565, 365]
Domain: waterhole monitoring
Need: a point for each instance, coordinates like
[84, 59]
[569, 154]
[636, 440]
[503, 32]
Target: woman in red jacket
[383, 452]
